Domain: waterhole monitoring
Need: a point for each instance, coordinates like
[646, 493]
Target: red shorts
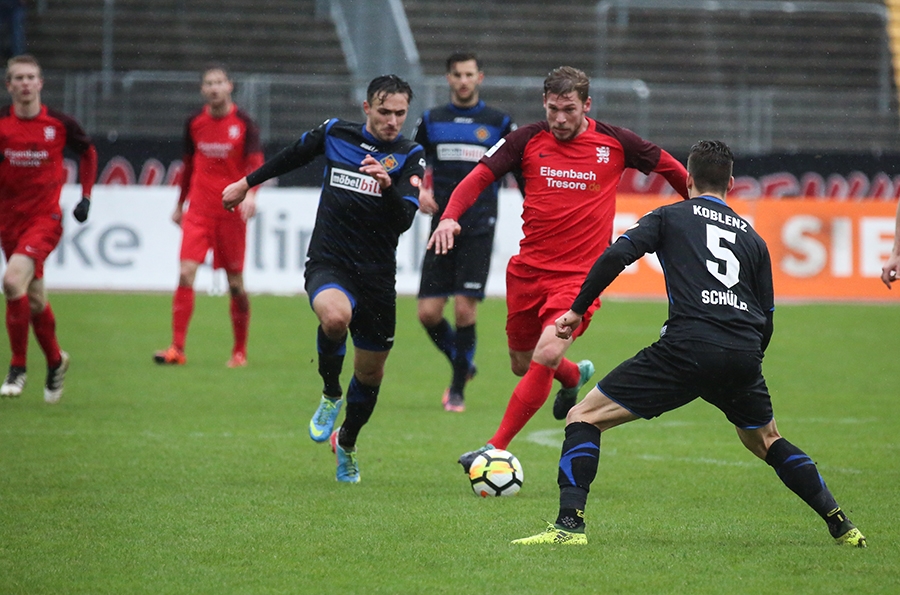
[535, 298]
[225, 236]
[35, 238]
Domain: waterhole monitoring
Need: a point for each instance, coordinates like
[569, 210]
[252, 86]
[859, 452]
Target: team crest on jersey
[49, 133]
[602, 154]
[234, 131]
[390, 162]
[481, 133]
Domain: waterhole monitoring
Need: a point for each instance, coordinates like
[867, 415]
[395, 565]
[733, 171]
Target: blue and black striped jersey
[357, 225]
[455, 139]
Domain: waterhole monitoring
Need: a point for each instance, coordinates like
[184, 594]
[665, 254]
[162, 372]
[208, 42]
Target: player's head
[710, 164]
[216, 86]
[386, 106]
[567, 101]
[24, 80]
[464, 76]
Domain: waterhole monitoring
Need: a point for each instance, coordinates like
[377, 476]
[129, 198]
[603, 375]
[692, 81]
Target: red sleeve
[467, 192]
[87, 170]
[672, 170]
[186, 173]
[254, 160]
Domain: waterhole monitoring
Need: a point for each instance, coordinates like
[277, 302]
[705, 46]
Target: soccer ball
[496, 473]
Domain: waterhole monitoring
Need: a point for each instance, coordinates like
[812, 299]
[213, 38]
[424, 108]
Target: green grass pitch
[202, 479]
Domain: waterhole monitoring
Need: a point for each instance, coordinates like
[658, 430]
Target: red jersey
[31, 163]
[217, 152]
[570, 188]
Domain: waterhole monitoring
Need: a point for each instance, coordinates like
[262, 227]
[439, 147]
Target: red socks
[182, 310]
[44, 324]
[240, 321]
[567, 373]
[528, 396]
[18, 313]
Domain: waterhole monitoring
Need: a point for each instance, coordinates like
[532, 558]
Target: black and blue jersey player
[370, 196]
[718, 274]
[455, 136]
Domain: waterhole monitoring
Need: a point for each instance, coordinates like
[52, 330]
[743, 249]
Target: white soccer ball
[496, 473]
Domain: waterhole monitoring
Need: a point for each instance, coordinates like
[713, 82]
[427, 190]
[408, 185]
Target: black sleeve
[401, 211]
[307, 148]
[641, 238]
[768, 329]
[612, 262]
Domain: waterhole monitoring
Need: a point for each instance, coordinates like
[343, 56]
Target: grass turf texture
[202, 479]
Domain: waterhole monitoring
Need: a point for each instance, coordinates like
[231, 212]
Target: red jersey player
[571, 165]
[32, 140]
[221, 145]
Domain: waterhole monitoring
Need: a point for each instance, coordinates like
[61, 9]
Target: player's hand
[82, 209]
[427, 204]
[247, 208]
[235, 193]
[372, 167]
[443, 237]
[566, 324]
[890, 270]
[178, 214]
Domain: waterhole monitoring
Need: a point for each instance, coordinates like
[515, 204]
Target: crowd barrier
[821, 250]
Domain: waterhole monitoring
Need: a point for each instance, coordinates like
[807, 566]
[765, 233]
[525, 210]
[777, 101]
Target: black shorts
[373, 297]
[667, 375]
[462, 271]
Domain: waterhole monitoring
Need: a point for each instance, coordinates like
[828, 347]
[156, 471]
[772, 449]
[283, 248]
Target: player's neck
[29, 109]
[457, 102]
[698, 194]
[220, 110]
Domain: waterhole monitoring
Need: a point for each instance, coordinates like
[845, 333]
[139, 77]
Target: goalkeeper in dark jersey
[369, 197]
[719, 283]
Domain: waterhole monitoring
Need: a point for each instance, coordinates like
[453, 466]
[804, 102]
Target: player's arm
[464, 196]
[80, 143]
[640, 239]
[674, 173]
[399, 200]
[302, 152]
[253, 160]
[891, 269]
[187, 174]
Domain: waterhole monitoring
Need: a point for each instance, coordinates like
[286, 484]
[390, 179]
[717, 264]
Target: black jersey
[717, 268]
[455, 139]
[357, 226]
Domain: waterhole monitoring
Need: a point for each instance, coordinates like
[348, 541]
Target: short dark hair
[387, 84]
[22, 59]
[215, 66]
[710, 163]
[462, 57]
[565, 80]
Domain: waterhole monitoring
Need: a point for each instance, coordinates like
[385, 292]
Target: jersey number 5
[723, 254]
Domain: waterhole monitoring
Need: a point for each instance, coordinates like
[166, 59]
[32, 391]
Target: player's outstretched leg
[347, 464]
[56, 377]
[798, 472]
[566, 397]
[577, 469]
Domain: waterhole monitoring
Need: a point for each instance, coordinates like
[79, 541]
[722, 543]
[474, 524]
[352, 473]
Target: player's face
[24, 83]
[386, 115]
[566, 115]
[216, 88]
[464, 79]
